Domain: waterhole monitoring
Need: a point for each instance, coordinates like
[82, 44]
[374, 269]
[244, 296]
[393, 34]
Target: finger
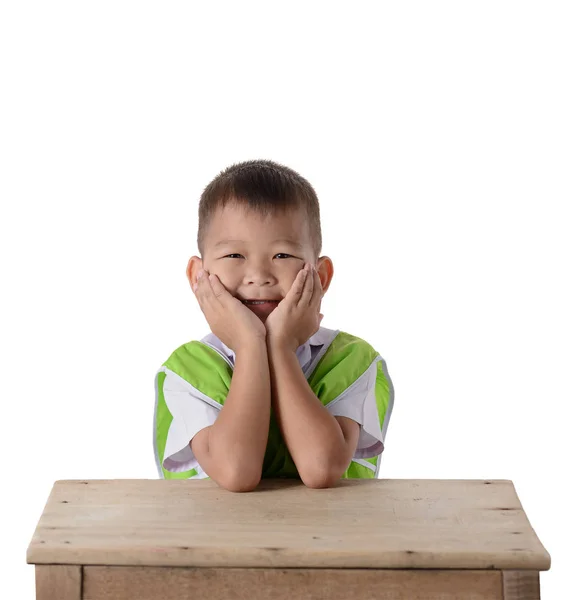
[295, 292]
[218, 289]
[308, 290]
[208, 300]
[318, 290]
[196, 284]
[197, 287]
[215, 291]
[198, 292]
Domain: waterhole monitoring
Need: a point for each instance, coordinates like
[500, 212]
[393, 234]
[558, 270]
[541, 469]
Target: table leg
[58, 582]
[521, 585]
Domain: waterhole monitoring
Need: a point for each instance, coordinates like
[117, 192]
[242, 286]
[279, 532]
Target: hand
[297, 317]
[229, 319]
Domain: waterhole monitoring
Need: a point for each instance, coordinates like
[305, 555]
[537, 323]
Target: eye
[279, 254]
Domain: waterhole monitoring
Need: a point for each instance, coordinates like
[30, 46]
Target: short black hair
[264, 186]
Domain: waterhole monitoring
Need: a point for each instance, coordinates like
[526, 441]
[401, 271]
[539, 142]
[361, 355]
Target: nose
[259, 274]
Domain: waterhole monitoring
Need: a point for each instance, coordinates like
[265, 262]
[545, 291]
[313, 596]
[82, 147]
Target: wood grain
[166, 583]
[521, 585]
[58, 582]
[365, 523]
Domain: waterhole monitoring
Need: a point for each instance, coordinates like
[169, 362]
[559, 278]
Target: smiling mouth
[253, 302]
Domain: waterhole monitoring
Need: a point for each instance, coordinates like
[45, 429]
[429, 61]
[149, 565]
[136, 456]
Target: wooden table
[414, 539]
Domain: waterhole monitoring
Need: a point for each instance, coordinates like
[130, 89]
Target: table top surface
[359, 523]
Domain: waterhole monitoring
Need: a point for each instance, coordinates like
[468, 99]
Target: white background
[436, 136]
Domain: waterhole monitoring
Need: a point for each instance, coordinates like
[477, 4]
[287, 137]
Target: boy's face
[256, 258]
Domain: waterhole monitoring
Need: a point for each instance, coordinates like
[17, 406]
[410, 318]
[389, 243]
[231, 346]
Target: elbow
[322, 477]
[240, 481]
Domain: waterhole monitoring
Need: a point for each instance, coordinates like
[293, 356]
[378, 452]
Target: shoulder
[196, 351]
[345, 359]
[201, 365]
[342, 346]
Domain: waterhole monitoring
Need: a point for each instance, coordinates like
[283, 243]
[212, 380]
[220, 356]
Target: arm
[320, 444]
[232, 450]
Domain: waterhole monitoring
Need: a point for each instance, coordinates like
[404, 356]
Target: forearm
[239, 435]
[313, 436]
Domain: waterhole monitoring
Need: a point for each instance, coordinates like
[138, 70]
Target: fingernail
[200, 274]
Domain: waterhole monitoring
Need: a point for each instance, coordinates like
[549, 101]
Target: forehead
[240, 224]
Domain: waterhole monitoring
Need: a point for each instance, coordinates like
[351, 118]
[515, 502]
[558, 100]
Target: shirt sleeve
[358, 402]
[191, 413]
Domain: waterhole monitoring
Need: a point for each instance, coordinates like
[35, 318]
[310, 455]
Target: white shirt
[192, 410]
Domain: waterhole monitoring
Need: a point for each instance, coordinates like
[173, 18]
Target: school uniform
[348, 376]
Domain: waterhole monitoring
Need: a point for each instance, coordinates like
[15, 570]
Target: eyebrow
[281, 241]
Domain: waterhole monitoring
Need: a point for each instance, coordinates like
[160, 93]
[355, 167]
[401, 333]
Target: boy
[268, 393]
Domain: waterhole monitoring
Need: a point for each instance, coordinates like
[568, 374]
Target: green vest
[341, 364]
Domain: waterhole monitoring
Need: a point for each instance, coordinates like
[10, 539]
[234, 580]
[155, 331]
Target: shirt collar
[304, 352]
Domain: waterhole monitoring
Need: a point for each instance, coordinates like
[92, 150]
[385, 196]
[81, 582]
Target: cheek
[228, 278]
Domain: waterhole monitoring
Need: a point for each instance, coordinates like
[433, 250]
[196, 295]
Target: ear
[325, 270]
[195, 264]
